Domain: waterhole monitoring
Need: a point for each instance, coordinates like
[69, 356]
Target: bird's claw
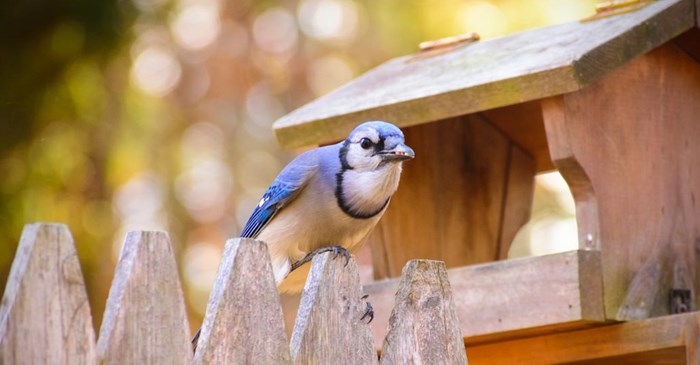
[337, 250]
[369, 311]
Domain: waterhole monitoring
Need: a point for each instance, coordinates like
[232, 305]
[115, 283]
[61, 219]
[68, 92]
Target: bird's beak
[399, 153]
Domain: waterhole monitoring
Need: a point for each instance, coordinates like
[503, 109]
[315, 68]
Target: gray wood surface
[145, 320]
[45, 315]
[424, 328]
[525, 66]
[244, 322]
[328, 328]
[558, 292]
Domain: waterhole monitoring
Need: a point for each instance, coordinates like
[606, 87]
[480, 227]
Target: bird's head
[375, 145]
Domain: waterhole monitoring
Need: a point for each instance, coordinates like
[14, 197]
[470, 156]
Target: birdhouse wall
[462, 200]
[628, 148]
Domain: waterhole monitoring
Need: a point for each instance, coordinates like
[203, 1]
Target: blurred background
[118, 115]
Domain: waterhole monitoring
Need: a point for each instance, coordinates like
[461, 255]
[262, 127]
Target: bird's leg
[369, 311]
[195, 339]
[337, 250]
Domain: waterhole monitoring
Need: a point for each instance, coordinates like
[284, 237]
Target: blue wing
[275, 198]
[286, 187]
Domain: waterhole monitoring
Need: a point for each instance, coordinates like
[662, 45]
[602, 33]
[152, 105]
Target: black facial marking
[343, 156]
[340, 195]
[379, 146]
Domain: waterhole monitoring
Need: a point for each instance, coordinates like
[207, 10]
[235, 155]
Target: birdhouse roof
[484, 75]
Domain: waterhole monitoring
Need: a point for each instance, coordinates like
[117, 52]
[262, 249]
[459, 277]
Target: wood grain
[451, 195]
[424, 328]
[559, 139]
[627, 147]
[45, 314]
[517, 202]
[557, 292]
[328, 328]
[145, 320]
[523, 124]
[244, 322]
[659, 341]
[488, 74]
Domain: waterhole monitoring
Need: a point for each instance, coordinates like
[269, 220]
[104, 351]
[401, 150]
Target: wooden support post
[467, 192]
[424, 328]
[328, 328]
[145, 320]
[244, 322]
[627, 146]
[45, 315]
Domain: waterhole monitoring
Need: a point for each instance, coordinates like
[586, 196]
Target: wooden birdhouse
[613, 104]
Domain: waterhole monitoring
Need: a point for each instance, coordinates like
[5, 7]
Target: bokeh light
[483, 17]
[329, 20]
[327, 73]
[156, 71]
[275, 31]
[197, 26]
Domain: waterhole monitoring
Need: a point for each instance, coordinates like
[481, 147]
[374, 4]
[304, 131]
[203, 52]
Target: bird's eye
[365, 143]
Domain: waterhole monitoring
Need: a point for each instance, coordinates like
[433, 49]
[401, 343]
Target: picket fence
[45, 316]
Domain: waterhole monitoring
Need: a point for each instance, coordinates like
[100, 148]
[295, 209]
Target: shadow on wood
[244, 322]
[145, 320]
[328, 328]
[45, 315]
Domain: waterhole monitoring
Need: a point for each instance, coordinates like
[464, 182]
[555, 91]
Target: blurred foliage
[157, 114]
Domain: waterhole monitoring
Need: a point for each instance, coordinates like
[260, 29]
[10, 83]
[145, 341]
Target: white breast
[368, 191]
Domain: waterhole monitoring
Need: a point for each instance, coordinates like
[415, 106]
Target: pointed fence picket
[45, 317]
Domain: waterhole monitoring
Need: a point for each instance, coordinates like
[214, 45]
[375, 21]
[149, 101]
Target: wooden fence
[45, 316]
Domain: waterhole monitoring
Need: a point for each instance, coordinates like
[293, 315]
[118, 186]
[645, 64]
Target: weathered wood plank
[328, 328]
[244, 322]
[45, 314]
[451, 195]
[627, 145]
[558, 292]
[423, 327]
[658, 341]
[489, 74]
[145, 320]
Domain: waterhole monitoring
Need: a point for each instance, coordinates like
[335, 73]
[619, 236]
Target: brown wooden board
[45, 314]
[659, 341]
[453, 195]
[627, 146]
[489, 74]
[513, 298]
[517, 202]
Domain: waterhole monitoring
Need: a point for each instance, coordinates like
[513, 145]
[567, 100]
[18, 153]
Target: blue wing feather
[286, 187]
[276, 197]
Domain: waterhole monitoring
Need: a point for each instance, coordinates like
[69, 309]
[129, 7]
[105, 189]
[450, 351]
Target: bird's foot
[369, 311]
[337, 250]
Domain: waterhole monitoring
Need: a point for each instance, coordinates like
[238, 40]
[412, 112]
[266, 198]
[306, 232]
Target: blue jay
[329, 198]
